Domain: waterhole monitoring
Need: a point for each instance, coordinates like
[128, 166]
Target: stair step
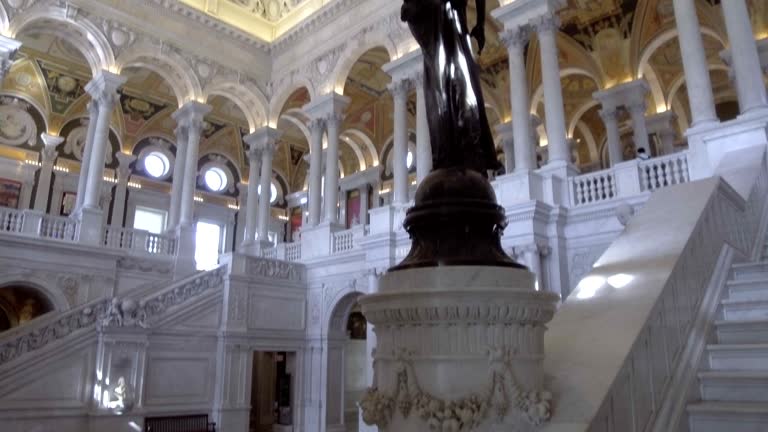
[748, 289]
[734, 310]
[734, 386]
[728, 416]
[750, 270]
[742, 331]
[742, 357]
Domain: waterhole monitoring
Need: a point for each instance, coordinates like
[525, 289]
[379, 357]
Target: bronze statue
[458, 125]
[456, 220]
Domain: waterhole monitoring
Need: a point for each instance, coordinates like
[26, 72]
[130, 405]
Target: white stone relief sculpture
[17, 127]
[502, 397]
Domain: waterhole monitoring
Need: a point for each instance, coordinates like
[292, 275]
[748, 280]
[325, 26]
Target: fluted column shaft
[639, 127]
[48, 159]
[695, 65]
[746, 62]
[524, 158]
[400, 145]
[178, 176]
[423, 144]
[610, 119]
[106, 104]
[252, 202]
[364, 205]
[190, 117]
[82, 180]
[187, 207]
[316, 128]
[121, 189]
[332, 124]
[546, 28]
[265, 180]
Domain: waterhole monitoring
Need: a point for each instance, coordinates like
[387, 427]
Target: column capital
[8, 50]
[124, 168]
[637, 108]
[49, 152]
[191, 115]
[316, 124]
[263, 139]
[516, 37]
[547, 23]
[505, 130]
[609, 114]
[325, 106]
[103, 88]
[401, 87]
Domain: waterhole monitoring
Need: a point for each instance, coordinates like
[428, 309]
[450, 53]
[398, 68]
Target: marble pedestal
[458, 349]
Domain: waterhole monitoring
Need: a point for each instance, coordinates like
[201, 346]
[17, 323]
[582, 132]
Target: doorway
[272, 389]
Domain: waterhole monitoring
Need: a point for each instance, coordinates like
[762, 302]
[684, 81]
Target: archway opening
[347, 365]
[20, 304]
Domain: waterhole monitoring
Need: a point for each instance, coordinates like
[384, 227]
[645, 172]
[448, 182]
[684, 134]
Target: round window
[272, 193]
[156, 164]
[215, 179]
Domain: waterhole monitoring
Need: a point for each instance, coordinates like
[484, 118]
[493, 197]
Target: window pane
[207, 243]
[151, 220]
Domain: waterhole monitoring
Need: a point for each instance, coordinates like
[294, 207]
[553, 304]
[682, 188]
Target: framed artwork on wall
[10, 192]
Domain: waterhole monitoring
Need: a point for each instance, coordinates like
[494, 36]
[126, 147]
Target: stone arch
[578, 114]
[355, 149]
[367, 142]
[169, 65]
[661, 39]
[282, 95]
[538, 95]
[55, 296]
[339, 307]
[680, 81]
[591, 142]
[5, 23]
[78, 30]
[249, 99]
[352, 54]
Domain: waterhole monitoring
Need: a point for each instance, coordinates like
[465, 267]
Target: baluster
[644, 178]
[684, 169]
[581, 195]
[667, 169]
[578, 194]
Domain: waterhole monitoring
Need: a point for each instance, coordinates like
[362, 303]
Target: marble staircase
[733, 382]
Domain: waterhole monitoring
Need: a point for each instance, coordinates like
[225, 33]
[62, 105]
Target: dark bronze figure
[455, 220]
[458, 126]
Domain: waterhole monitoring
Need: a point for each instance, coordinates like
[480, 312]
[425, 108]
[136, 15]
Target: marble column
[554, 110]
[745, 60]
[695, 65]
[268, 144]
[103, 89]
[178, 176]
[121, 189]
[48, 159]
[667, 138]
[332, 124]
[613, 140]
[399, 90]
[8, 50]
[82, 180]
[242, 203]
[190, 116]
[639, 126]
[316, 129]
[506, 133]
[423, 144]
[252, 201]
[515, 41]
[364, 204]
